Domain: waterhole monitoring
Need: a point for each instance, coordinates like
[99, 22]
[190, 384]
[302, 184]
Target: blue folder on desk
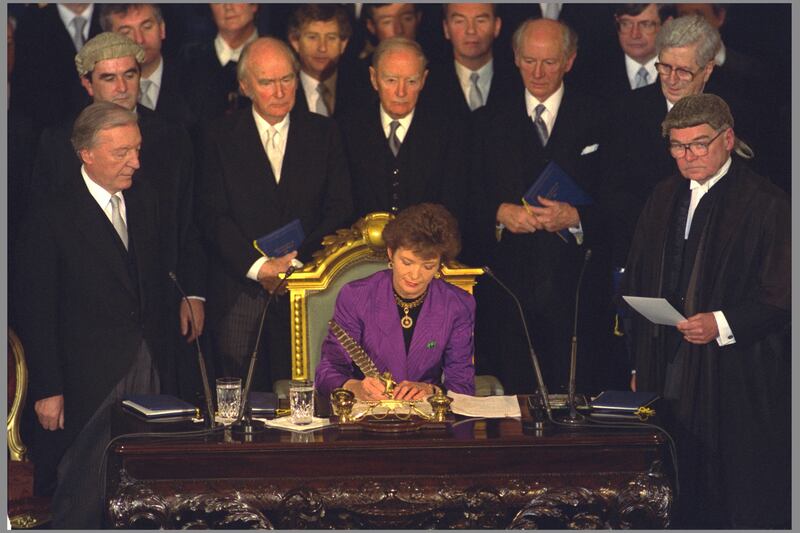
[153, 406]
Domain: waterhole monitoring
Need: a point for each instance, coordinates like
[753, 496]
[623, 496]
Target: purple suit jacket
[442, 339]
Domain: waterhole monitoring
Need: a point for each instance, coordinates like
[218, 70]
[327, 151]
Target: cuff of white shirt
[253, 272]
[577, 231]
[725, 333]
[201, 298]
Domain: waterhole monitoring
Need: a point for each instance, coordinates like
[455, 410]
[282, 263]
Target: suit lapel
[100, 234]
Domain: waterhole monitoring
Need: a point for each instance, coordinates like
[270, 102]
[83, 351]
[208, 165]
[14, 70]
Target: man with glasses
[256, 176]
[714, 241]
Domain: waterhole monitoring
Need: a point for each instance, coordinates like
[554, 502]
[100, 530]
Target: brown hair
[308, 13]
[426, 229]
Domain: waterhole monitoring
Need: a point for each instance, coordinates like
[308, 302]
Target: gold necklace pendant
[406, 321]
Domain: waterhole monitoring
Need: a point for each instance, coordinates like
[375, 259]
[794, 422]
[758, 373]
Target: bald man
[256, 176]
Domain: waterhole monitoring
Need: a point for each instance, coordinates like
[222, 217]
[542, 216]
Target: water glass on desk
[229, 397]
[301, 402]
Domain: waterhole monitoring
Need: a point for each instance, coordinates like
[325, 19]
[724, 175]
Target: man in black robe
[718, 248]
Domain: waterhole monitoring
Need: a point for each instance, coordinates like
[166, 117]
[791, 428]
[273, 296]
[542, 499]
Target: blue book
[555, 184]
[159, 406]
[623, 401]
[282, 241]
[263, 403]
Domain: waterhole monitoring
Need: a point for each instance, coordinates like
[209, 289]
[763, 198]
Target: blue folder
[282, 241]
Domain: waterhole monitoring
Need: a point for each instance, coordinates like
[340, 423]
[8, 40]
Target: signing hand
[268, 274]
[517, 218]
[367, 388]
[555, 216]
[699, 329]
[50, 412]
[412, 390]
[191, 333]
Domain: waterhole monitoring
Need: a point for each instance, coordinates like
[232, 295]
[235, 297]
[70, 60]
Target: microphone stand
[543, 400]
[244, 424]
[574, 418]
[209, 422]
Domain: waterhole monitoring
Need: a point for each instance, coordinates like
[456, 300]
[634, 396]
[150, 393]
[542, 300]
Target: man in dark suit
[257, 176]
[320, 34]
[541, 250]
[401, 153]
[472, 78]
[47, 39]
[160, 82]
[210, 67]
[109, 66]
[90, 311]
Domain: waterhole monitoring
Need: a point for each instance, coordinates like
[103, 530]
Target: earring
[390, 264]
[438, 274]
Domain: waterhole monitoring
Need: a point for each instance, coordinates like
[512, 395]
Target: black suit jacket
[82, 315]
[45, 84]
[166, 163]
[239, 201]
[430, 166]
[172, 103]
[539, 267]
[443, 90]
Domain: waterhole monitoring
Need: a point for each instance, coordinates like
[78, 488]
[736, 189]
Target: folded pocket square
[589, 149]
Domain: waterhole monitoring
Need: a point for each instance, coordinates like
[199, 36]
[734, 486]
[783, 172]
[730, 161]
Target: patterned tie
[322, 101]
[144, 94]
[641, 78]
[394, 141]
[77, 38]
[274, 152]
[117, 222]
[541, 127]
[475, 96]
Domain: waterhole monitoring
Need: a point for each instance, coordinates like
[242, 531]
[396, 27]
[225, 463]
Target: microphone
[243, 424]
[200, 360]
[574, 417]
[542, 388]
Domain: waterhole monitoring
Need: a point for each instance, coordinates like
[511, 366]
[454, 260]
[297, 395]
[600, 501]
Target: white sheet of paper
[484, 407]
[656, 310]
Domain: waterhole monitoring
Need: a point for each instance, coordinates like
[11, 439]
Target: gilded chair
[24, 509]
[348, 255]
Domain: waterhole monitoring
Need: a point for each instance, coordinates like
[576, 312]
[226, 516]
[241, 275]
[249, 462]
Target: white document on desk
[484, 406]
[656, 310]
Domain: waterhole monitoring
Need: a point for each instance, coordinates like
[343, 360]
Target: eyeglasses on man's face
[682, 74]
[698, 148]
[625, 25]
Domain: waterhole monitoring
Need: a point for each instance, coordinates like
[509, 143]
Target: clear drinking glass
[301, 402]
[229, 397]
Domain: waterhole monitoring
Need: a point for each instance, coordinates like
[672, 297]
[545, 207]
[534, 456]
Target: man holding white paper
[718, 249]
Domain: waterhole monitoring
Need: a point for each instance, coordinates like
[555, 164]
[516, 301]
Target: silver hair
[96, 118]
[398, 43]
[704, 108]
[244, 58]
[569, 39]
[687, 31]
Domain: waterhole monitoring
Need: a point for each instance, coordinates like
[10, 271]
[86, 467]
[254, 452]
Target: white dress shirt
[265, 133]
[225, 53]
[310, 90]
[155, 86]
[402, 130]
[103, 197]
[632, 68]
[485, 74]
[698, 191]
[550, 10]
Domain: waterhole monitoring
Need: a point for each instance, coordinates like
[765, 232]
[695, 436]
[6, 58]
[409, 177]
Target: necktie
[641, 78]
[322, 101]
[541, 127]
[77, 38]
[274, 152]
[144, 94]
[394, 141]
[475, 96]
[551, 10]
[117, 222]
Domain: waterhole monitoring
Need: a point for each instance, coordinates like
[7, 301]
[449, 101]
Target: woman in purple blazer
[411, 323]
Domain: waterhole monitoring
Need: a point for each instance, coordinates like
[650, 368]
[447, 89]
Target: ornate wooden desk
[481, 474]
